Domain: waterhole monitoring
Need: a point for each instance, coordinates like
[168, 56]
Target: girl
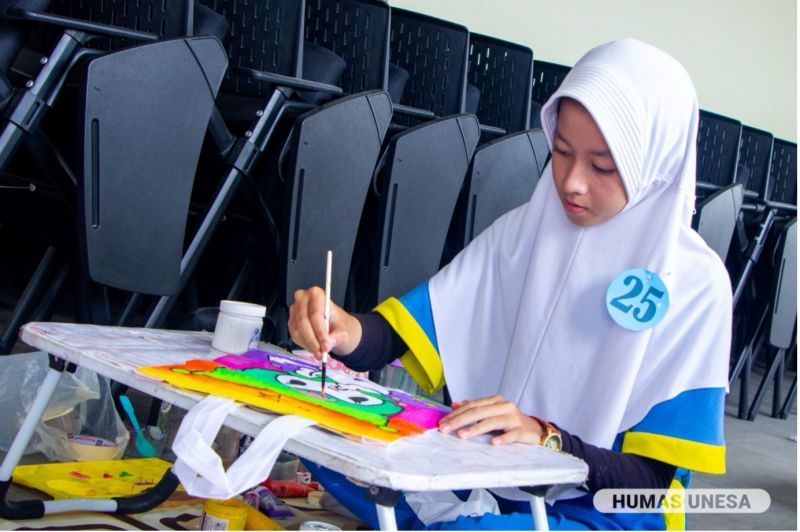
[591, 319]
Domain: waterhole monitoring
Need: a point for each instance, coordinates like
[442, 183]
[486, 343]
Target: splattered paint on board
[287, 385]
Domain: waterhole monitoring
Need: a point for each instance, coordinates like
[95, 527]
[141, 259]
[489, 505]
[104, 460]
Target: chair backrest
[501, 71]
[328, 184]
[755, 158]
[426, 170]
[717, 215]
[137, 173]
[718, 141]
[357, 31]
[784, 301]
[546, 79]
[167, 19]
[782, 186]
[434, 52]
[265, 36]
[502, 176]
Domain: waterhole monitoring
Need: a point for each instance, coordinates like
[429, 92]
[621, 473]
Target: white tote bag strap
[199, 467]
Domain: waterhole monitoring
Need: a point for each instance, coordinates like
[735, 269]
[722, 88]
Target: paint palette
[100, 479]
[352, 405]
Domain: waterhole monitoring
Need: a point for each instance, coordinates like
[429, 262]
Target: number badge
[637, 299]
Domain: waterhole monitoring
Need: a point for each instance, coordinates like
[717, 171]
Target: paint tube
[263, 499]
[290, 488]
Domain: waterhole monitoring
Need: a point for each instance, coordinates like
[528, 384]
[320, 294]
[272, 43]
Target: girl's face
[585, 175]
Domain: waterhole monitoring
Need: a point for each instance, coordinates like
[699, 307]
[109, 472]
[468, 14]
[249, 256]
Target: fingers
[308, 329]
[456, 419]
[307, 321]
[491, 414]
[473, 411]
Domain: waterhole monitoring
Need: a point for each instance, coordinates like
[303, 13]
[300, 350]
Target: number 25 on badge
[637, 299]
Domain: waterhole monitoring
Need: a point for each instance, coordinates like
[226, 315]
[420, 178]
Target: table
[433, 461]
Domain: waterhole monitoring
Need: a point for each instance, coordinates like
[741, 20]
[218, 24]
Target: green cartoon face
[363, 395]
[361, 398]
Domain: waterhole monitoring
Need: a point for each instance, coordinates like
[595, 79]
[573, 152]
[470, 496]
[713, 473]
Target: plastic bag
[445, 506]
[81, 405]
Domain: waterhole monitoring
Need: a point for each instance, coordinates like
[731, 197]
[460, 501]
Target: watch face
[553, 441]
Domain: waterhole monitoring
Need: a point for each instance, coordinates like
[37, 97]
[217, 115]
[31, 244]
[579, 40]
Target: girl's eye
[602, 170]
[559, 150]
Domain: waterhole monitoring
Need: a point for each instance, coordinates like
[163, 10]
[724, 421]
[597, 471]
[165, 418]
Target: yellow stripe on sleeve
[421, 360]
[688, 454]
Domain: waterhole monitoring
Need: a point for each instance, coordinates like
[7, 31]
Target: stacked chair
[418, 179]
[720, 197]
[506, 166]
[134, 177]
[142, 173]
[757, 264]
[328, 172]
[264, 83]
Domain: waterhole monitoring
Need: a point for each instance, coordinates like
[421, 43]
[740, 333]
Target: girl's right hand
[307, 325]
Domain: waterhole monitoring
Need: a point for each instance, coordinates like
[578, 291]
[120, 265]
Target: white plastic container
[238, 326]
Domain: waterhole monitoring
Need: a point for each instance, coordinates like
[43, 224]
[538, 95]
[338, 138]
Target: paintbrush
[328, 261]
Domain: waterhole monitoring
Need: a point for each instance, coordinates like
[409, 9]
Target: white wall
[741, 54]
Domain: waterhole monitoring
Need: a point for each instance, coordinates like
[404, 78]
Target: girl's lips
[572, 207]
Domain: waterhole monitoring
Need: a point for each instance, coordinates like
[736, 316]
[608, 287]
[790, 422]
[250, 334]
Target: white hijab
[521, 311]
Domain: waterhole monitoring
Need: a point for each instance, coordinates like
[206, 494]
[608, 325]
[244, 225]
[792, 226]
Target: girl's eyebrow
[599, 153]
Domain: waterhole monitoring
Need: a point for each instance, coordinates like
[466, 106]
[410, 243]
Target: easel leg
[386, 518]
[29, 425]
[29, 509]
[384, 499]
[538, 509]
[539, 513]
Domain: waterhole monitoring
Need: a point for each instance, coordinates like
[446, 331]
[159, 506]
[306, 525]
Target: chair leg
[787, 404]
[762, 388]
[777, 396]
[744, 384]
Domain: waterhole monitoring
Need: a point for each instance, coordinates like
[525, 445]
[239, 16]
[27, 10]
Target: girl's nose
[575, 182]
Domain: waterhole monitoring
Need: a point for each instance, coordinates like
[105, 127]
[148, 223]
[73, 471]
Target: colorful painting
[352, 405]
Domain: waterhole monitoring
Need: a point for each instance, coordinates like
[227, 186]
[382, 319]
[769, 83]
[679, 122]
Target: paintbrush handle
[328, 268]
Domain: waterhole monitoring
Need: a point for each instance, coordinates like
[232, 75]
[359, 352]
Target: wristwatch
[551, 437]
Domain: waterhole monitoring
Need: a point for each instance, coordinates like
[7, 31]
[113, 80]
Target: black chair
[321, 174]
[138, 175]
[752, 230]
[49, 176]
[755, 157]
[265, 82]
[718, 140]
[501, 177]
[326, 189]
[422, 179]
[781, 189]
[135, 186]
[546, 79]
[501, 72]
[433, 53]
[779, 330]
[358, 32]
[417, 181]
[717, 216]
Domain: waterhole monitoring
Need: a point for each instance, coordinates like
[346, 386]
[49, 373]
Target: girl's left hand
[489, 414]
